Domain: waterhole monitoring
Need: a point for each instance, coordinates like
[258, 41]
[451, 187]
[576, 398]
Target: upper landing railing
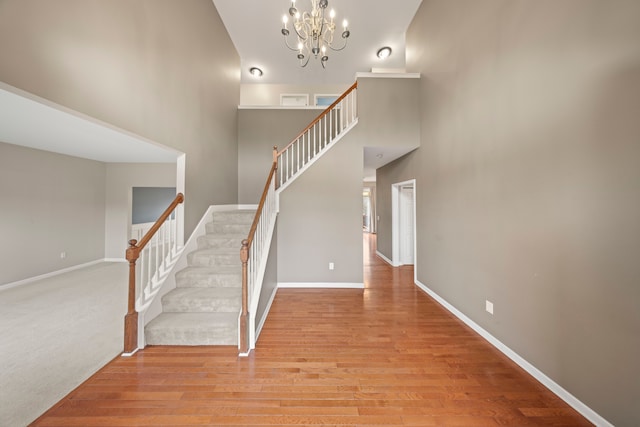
[329, 126]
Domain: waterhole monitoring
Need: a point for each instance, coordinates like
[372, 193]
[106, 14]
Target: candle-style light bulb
[332, 15]
[345, 24]
[285, 19]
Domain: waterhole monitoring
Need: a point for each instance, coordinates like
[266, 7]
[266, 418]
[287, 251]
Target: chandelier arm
[340, 48]
[286, 42]
[300, 36]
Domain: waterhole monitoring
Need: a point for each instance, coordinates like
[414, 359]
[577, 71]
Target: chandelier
[313, 31]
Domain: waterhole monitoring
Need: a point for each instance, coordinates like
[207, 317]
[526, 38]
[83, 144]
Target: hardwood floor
[386, 355]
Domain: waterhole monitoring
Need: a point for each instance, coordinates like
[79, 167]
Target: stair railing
[299, 154]
[254, 250]
[156, 251]
[325, 129]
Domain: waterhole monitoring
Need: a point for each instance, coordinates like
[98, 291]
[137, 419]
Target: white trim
[323, 285]
[395, 221]
[563, 394]
[278, 107]
[247, 207]
[115, 260]
[51, 274]
[130, 354]
[266, 312]
[361, 75]
[385, 259]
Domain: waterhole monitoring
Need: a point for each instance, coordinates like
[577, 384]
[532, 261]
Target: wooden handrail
[317, 119]
[132, 255]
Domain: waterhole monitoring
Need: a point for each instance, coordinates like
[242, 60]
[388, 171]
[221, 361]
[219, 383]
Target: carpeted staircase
[204, 307]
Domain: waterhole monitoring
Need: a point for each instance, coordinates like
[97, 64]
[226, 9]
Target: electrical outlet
[489, 306]
[63, 255]
[331, 266]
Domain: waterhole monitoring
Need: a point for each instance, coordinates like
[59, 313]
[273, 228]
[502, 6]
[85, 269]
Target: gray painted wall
[528, 182]
[405, 168]
[320, 217]
[51, 203]
[258, 131]
[166, 70]
[148, 203]
[121, 178]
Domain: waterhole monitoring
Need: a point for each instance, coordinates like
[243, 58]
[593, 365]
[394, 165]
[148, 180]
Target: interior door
[406, 224]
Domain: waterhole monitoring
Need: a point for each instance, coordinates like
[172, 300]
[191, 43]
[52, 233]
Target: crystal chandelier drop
[314, 32]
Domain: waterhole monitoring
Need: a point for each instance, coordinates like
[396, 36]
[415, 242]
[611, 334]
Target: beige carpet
[54, 334]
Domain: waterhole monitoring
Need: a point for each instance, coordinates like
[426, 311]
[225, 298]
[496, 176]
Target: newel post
[275, 155]
[244, 258]
[131, 318]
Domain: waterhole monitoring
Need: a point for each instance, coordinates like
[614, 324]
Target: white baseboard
[563, 394]
[130, 354]
[49, 275]
[325, 285]
[115, 260]
[266, 312]
[385, 259]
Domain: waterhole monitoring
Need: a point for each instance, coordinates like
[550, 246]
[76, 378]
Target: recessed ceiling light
[255, 72]
[384, 52]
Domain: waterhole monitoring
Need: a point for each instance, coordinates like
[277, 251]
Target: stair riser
[212, 336]
[215, 242]
[218, 305]
[234, 218]
[212, 260]
[216, 228]
[209, 281]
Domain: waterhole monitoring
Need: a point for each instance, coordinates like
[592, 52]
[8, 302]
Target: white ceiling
[34, 122]
[254, 27]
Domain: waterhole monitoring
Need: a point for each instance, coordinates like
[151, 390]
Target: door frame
[395, 222]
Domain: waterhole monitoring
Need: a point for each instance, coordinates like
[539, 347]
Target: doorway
[403, 229]
[369, 209]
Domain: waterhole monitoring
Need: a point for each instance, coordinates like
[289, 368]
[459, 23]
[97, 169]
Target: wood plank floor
[388, 355]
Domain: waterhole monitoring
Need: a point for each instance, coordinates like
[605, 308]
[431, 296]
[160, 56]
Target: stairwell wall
[163, 69]
[259, 130]
[320, 217]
